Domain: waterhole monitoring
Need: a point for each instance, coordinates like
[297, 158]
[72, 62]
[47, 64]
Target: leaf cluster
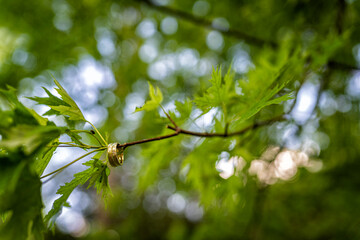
[237, 99]
[97, 176]
[24, 135]
[26, 148]
[64, 106]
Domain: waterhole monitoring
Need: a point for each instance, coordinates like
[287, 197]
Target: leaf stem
[72, 144]
[63, 167]
[96, 130]
[79, 146]
[168, 116]
[88, 132]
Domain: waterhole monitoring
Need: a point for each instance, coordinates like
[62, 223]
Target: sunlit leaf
[219, 93]
[65, 106]
[156, 98]
[183, 109]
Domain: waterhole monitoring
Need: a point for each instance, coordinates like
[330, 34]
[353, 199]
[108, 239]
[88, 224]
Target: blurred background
[297, 179]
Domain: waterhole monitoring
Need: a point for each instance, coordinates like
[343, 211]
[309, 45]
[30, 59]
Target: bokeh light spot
[169, 25]
[215, 41]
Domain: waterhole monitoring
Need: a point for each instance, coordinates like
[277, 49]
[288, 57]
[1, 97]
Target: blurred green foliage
[294, 179]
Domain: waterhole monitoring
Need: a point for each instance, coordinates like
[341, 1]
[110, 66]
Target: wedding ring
[115, 154]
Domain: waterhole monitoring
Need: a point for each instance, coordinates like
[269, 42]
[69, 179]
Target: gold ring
[115, 154]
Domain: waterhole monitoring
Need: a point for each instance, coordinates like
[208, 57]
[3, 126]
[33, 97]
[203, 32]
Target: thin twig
[168, 116]
[204, 134]
[226, 128]
[226, 134]
[124, 145]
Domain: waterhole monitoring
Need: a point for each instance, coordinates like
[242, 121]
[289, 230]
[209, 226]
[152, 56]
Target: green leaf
[25, 136]
[19, 114]
[74, 111]
[37, 228]
[155, 95]
[156, 98]
[184, 108]
[74, 114]
[45, 156]
[219, 93]
[51, 100]
[41, 120]
[3, 216]
[24, 128]
[75, 137]
[203, 176]
[64, 106]
[6, 119]
[254, 98]
[21, 197]
[100, 178]
[265, 101]
[163, 152]
[79, 179]
[97, 176]
[29, 138]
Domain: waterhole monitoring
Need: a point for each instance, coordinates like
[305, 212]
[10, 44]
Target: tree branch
[205, 134]
[208, 24]
[124, 145]
[226, 134]
[340, 16]
[255, 41]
